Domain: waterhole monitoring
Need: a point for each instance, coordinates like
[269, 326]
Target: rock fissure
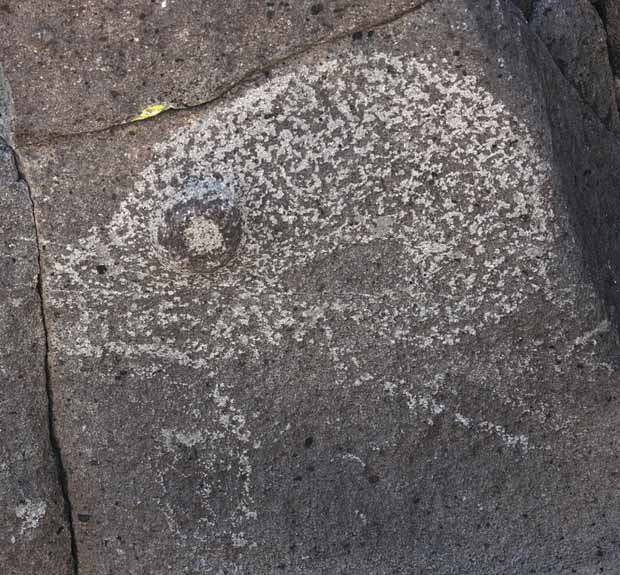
[227, 89]
[222, 93]
[51, 414]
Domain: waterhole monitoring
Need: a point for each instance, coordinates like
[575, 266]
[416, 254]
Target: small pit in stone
[201, 233]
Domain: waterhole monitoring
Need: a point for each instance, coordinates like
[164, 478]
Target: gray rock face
[526, 6]
[5, 107]
[338, 321]
[356, 316]
[611, 14]
[574, 35]
[33, 534]
[83, 65]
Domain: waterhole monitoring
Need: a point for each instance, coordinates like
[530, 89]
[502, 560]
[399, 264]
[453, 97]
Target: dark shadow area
[585, 155]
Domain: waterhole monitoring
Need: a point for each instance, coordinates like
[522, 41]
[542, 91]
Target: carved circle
[202, 229]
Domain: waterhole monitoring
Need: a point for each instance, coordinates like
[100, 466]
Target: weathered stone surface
[33, 537]
[610, 10]
[5, 107]
[526, 6]
[575, 37]
[397, 365]
[86, 64]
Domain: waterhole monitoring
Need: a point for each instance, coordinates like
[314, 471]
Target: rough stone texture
[526, 6]
[86, 64]
[338, 322]
[33, 538]
[610, 10]
[574, 34]
[5, 107]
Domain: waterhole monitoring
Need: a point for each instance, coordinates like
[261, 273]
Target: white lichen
[30, 512]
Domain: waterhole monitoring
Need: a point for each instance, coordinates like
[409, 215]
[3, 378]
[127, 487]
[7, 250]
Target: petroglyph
[319, 174]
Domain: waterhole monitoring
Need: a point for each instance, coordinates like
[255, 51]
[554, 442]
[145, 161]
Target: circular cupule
[202, 229]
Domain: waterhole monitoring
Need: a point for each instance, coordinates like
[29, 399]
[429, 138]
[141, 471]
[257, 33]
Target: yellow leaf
[150, 111]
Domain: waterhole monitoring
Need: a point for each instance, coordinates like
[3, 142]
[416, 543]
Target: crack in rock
[228, 88]
[32, 516]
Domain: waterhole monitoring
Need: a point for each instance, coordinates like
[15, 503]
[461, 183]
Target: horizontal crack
[224, 91]
[51, 418]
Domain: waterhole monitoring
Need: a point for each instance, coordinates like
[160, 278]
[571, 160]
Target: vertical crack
[51, 416]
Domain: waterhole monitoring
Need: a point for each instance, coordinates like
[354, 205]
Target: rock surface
[355, 316]
[338, 321]
[574, 34]
[82, 65]
[610, 10]
[5, 107]
[525, 6]
[33, 533]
